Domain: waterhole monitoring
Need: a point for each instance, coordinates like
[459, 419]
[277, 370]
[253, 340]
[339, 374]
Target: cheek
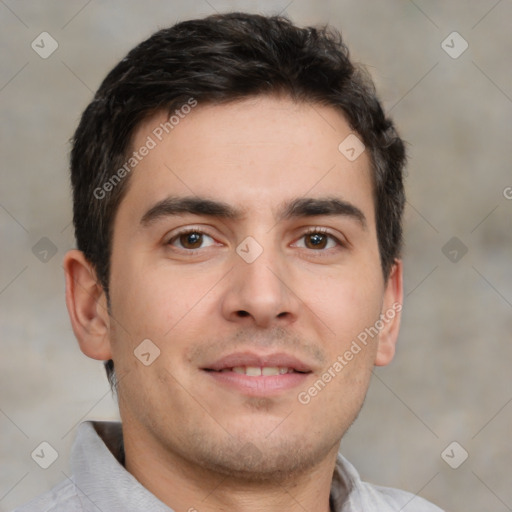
[346, 301]
[347, 309]
[137, 312]
[159, 302]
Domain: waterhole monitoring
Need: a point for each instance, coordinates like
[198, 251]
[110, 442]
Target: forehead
[253, 152]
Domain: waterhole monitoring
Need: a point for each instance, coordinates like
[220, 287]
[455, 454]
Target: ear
[390, 315]
[87, 306]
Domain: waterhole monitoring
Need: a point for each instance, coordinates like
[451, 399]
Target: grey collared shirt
[100, 483]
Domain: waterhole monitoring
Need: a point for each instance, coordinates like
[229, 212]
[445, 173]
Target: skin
[191, 441]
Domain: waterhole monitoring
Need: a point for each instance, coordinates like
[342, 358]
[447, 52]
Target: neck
[185, 486]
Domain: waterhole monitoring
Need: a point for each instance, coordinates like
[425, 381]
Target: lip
[263, 385]
[251, 359]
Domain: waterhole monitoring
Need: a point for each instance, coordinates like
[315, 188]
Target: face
[245, 250]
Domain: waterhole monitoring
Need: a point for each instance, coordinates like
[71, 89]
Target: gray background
[451, 378]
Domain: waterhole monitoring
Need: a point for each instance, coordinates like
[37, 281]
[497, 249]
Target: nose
[259, 293]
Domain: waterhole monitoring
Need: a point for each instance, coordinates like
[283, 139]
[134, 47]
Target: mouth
[257, 371]
[258, 375]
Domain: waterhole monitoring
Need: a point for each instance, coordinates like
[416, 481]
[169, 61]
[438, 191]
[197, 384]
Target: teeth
[256, 371]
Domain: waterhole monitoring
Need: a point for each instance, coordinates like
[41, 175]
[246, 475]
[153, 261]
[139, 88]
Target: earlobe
[390, 316]
[87, 306]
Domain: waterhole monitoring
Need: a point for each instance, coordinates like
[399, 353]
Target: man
[237, 207]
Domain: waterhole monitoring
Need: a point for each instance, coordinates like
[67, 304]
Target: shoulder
[397, 499]
[62, 498]
[351, 493]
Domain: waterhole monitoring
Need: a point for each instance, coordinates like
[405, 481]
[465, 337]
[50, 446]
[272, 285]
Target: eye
[191, 239]
[317, 239]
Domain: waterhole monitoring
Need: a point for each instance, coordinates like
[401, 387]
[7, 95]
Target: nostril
[242, 313]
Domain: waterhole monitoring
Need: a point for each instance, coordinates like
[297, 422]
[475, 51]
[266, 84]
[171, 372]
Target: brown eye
[191, 240]
[319, 240]
[316, 241]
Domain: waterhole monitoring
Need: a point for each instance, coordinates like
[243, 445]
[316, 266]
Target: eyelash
[310, 231]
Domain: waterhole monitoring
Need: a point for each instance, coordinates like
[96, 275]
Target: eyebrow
[300, 207]
[311, 207]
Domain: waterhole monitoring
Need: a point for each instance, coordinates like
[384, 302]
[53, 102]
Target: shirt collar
[99, 476]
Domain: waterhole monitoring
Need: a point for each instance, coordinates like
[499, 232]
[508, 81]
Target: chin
[260, 460]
